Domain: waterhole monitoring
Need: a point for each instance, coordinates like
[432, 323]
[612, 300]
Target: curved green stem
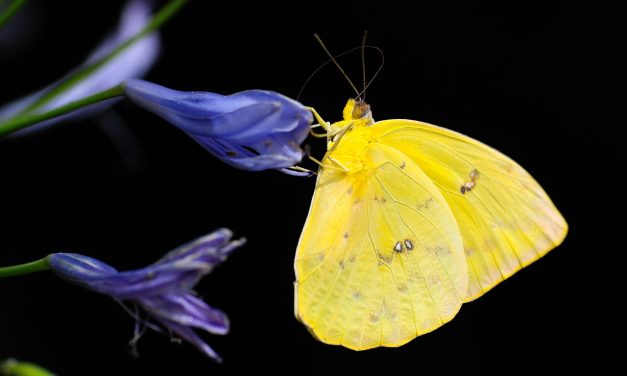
[12, 367]
[28, 268]
[10, 10]
[23, 121]
[157, 21]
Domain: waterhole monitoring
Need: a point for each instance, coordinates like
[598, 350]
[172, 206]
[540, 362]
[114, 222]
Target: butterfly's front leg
[321, 123]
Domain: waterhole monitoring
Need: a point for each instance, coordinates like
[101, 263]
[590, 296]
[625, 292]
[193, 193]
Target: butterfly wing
[380, 259]
[506, 219]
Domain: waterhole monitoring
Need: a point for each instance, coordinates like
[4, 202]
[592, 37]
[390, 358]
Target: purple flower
[163, 289]
[252, 130]
[134, 61]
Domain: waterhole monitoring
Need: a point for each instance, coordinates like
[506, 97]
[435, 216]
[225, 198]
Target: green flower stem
[28, 268]
[12, 367]
[26, 120]
[10, 10]
[157, 21]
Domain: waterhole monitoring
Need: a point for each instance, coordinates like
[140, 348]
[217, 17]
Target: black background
[511, 76]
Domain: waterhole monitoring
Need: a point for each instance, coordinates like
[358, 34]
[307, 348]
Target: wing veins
[396, 202]
[328, 293]
[350, 278]
[424, 248]
[417, 211]
[338, 198]
[511, 249]
[475, 221]
[499, 203]
[411, 301]
[483, 175]
[398, 301]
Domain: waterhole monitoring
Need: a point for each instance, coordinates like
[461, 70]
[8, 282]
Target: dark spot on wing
[408, 244]
[384, 260]
[398, 247]
[374, 317]
[426, 204]
[469, 185]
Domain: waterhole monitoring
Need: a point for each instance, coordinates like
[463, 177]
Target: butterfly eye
[360, 110]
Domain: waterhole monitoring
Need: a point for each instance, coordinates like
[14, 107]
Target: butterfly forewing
[506, 219]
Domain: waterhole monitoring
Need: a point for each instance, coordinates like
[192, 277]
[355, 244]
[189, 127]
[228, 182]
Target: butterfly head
[358, 112]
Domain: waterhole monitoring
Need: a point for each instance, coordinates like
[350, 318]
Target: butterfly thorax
[356, 114]
[351, 136]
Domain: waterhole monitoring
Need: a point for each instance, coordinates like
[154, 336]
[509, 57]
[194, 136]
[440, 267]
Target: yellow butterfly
[408, 221]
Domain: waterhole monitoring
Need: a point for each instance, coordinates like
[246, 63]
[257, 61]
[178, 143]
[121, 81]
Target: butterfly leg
[301, 170]
[338, 166]
[321, 123]
[336, 136]
[317, 135]
[335, 164]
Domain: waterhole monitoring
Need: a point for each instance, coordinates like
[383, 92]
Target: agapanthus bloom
[163, 289]
[252, 130]
[134, 61]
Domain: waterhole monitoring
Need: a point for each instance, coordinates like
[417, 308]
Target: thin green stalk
[10, 10]
[157, 21]
[28, 268]
[12, 367]
[24, 121]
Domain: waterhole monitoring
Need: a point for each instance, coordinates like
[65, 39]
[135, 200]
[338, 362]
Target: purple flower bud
[252, 130]
[163, 289]
[135, 61]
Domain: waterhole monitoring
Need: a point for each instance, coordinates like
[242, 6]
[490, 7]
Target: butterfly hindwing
[380, 260]
[506, 219]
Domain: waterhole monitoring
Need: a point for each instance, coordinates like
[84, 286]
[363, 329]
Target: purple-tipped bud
[252, 130]
[163, 289]
[134, 61]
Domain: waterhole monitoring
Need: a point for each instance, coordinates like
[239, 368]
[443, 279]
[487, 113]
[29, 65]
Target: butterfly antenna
[313, 74]
[375, 73]
[336, 64]
[363, 63]
[319, 68]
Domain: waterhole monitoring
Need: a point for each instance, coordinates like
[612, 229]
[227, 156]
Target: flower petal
[78, 268]
[187, 310]
[243, 158]
[190, 336]
[163, 289]
[214, 248]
